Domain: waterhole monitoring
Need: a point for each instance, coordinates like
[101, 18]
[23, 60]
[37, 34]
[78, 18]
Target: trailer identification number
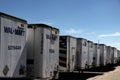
[11, 47]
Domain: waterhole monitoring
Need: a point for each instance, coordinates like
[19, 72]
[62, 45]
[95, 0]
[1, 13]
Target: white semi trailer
[103, 55]
[109, 54]
[82, 54]
[115, 55]
[118, 55]
[12, 46]
[43, 51]
[67, 53]
[90, 54]
[96, 55]
[112, 55]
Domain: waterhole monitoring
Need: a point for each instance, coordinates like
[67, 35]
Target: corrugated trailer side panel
[54, 50]
[67, 53]
[90, 54]
[46, 51]
[115, 55]
[108, 54]
[96, 55]
[30, 51]
[111, 51]
[13, 46]
[119, 56]
[55, 59]
[63, 55]
[82, 54]
[112, 55]
[103, 55]
[42, 56]
[72, 53]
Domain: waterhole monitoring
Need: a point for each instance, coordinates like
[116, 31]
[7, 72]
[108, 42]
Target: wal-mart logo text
[10, 30]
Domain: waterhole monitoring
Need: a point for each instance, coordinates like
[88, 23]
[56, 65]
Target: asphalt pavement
[102, 73]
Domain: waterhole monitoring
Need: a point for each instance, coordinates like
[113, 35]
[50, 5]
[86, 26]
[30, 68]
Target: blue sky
[91, 19]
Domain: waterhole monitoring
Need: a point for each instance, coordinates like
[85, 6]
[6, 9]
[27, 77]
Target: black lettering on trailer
[8, 30]
[12, 47]
[19, 32]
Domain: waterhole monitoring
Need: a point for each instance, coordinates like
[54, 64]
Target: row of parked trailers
[80, 54]
[38, 51]
[27, 50]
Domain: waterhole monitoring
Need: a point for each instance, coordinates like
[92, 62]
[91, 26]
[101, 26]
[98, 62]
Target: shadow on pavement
[103, 69]
[76, 76]
[87, 74]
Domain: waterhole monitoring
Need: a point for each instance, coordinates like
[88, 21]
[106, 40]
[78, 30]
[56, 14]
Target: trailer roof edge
[1, 13]
[44, 25]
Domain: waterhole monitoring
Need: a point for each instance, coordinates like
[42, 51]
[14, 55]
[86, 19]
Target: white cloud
[110, 35]
[74, 31]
